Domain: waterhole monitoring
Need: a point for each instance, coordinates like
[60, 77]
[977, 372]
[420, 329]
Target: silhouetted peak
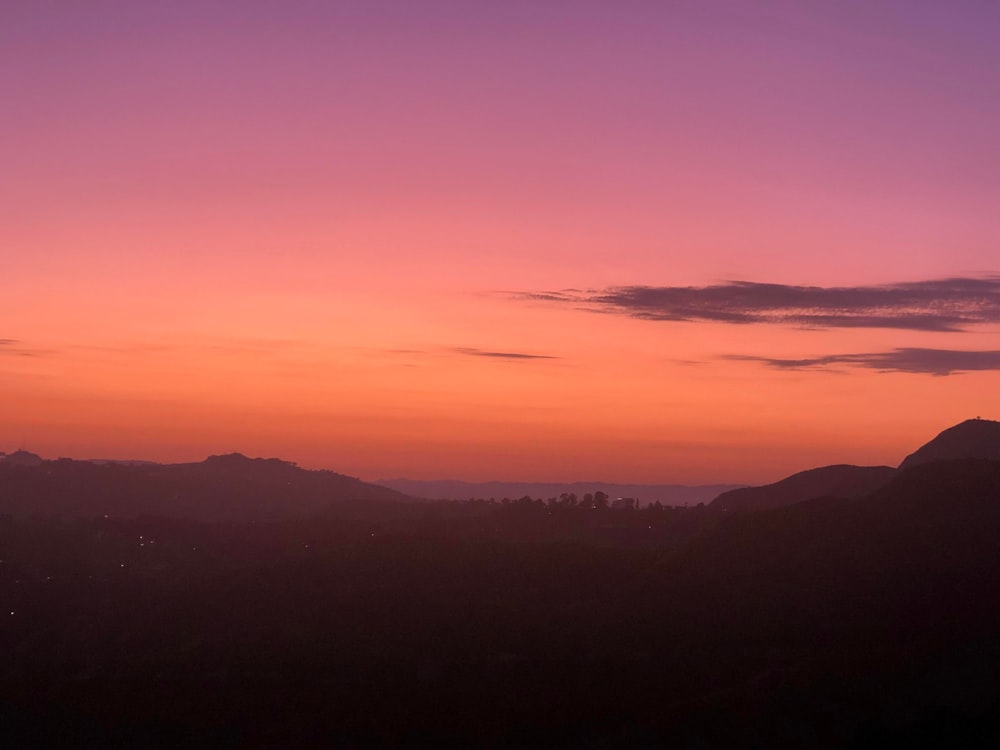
[120, 462]
[239, 458]
[973, 438]
[241, 462]
[22, 458]
[840, 480]
[226, 458]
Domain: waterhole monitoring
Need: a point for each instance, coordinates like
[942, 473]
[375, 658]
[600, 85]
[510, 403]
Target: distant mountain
[231, 487]
[123, 461]
[973, 438]
[21, 458]
[842, 481]
[646, 494]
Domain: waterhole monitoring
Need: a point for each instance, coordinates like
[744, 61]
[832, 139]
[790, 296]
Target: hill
[973, 438]
[834, 481]
[865, 619]
[230, 487]
[833, 622]
[21, 458]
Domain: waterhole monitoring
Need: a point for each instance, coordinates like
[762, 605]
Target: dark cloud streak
[500, 355]
[917, 360]
[14, 348]
[939, 305]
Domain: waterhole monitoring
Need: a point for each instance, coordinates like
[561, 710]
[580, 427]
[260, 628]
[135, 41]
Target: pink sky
[320, 231]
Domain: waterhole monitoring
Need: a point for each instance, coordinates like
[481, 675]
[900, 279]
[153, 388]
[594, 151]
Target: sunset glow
[499, 240]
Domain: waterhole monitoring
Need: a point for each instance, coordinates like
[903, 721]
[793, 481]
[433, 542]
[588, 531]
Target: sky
[535, 240]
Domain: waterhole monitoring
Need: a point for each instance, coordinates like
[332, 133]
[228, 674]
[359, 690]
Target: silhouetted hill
[829, 623]
[646, 494]
[123, 461]
[840, 622]
[833, 481]
[973, 438]
[231, 487]
[21, 458]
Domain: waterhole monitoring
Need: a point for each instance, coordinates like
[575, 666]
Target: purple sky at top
[869, 124]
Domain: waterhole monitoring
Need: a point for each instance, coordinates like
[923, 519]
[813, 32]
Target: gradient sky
[628, 241]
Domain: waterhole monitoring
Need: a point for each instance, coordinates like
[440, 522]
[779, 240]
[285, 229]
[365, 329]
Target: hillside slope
[833, 481]
[230, 487]
[870, 621]
[973, 438]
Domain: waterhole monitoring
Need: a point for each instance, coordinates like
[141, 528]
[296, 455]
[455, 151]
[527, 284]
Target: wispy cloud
[938, 362]
[15, 348]
[500, 355]
[939, 305]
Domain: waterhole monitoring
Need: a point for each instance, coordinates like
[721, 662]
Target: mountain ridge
[838, 480]
[227, 487]
[973, 438]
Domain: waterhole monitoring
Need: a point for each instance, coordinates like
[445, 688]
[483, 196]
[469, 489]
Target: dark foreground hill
[230, 487]
[844, 622]
[867, 622]
[973, 438]
[832, 481]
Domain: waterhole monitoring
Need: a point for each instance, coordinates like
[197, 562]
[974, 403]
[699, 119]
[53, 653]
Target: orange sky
[324, 234]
